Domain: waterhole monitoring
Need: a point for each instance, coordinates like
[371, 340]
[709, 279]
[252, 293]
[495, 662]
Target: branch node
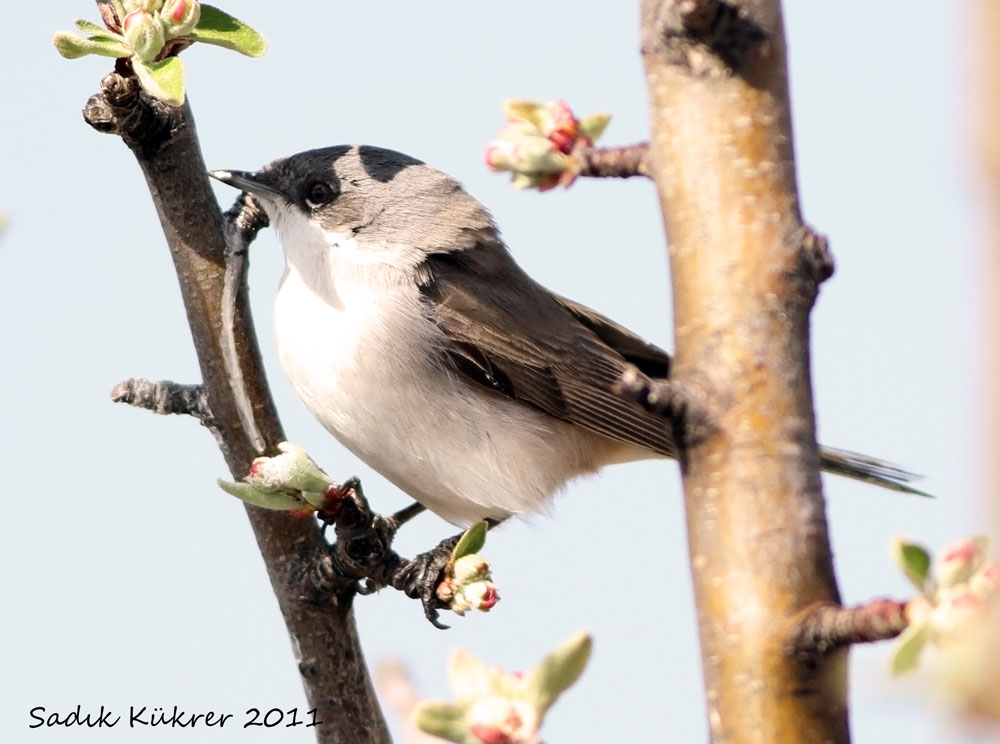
[697, 16]
[814, 253]
[122, 108]
[685, 29]
[687, 406]
[243, 221]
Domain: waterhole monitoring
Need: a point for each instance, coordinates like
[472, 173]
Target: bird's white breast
[357, 347]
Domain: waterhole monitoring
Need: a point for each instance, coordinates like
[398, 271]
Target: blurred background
[130, 579]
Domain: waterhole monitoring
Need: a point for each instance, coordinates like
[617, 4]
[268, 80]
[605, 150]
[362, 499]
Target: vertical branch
[973, 677]
[745, 273]
[324, 637]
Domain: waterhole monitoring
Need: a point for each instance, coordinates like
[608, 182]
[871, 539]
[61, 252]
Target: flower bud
[562, 130]
[953, 612]
[292, 469]
[497, 720]
[471, 568]
[481, 595]
[143, 34]
[179, 17]
[960, 561]
[150, 6]
[986, 581]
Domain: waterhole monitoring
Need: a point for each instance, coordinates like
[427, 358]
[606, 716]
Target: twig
[164, 397]
[243, 221]
[613, 162]
[823, 628]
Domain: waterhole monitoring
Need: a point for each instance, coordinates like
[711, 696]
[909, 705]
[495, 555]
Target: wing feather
[508, 334]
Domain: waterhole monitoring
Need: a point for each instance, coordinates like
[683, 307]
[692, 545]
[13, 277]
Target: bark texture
[745, 272]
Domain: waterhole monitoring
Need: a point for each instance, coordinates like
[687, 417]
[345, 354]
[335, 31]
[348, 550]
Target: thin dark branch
[165, 144]
[164, 397]
[243, 221]
[624, 161]
[824, 627]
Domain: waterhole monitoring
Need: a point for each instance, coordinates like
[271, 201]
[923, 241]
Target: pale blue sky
[130, 579]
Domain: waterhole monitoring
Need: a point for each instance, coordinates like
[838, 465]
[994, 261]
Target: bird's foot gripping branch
[450, 576]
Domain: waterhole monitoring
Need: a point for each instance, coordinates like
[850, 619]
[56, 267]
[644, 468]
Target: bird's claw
[422, 577]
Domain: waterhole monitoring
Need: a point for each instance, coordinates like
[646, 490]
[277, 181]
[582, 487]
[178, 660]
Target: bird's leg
[421, 577]
[361, 559]
[362, 551]
[404, 515]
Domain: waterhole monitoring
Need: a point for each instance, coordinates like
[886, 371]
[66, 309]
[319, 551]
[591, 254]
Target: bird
[407, 329]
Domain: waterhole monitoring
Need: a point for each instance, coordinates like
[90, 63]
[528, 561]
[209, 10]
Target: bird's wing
[510, 335]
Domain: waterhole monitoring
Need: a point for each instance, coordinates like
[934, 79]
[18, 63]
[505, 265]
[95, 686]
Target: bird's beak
[258, 184]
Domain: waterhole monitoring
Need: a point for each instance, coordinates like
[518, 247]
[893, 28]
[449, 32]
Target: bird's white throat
[355, 341]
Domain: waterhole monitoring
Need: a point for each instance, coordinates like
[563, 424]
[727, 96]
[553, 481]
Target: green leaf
[914, 560]
[909, 644]
[593, 126]
[221, 29]
[163, 79]
[557, 672]
[468, 677]
[471, 541]
[439, 718]
[97, 31]
[274, 500]
[72, 47]
[527, 109]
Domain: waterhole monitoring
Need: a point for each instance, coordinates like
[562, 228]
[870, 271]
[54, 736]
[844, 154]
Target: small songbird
[410, 333]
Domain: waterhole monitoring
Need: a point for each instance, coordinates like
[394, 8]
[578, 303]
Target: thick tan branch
[745, 272]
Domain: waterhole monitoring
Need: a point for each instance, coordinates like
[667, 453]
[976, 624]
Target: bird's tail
[869, 470]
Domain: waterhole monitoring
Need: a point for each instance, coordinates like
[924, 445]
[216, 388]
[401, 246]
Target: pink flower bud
[470, 568]
[562, 117]
[150, 6]
[144, 34]
[564, 127]
[987, 580]
[954, 608]
[960, 560]
[481, 595]
[496, 720]
[179, 17]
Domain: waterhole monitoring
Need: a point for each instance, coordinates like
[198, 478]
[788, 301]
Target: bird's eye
[319, 193]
